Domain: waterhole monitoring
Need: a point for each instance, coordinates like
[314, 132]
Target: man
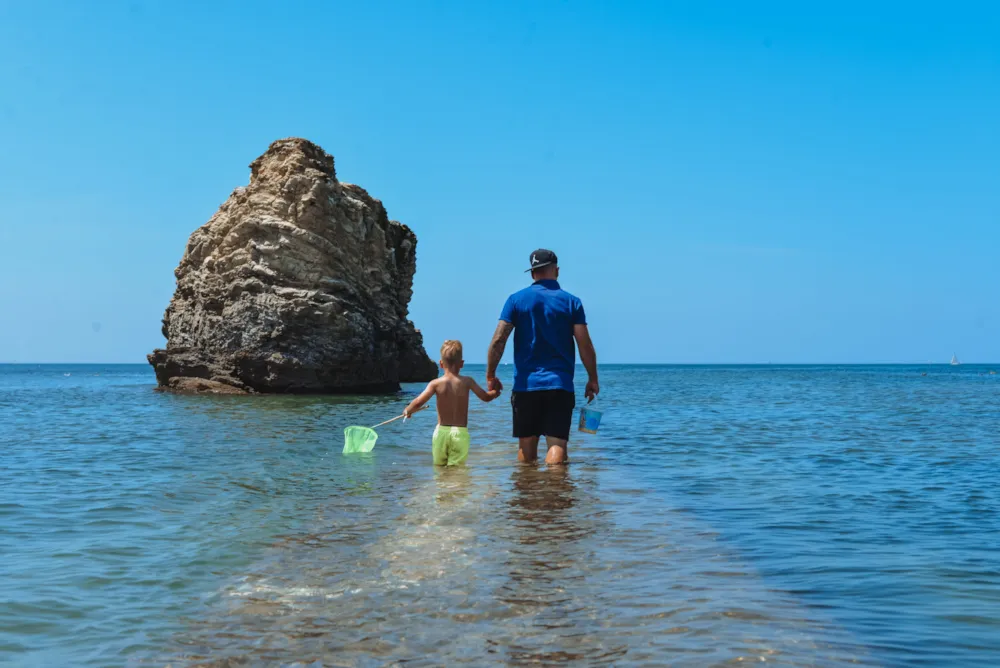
[545, 320]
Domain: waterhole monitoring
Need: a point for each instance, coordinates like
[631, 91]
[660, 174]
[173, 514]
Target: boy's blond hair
[451, 352]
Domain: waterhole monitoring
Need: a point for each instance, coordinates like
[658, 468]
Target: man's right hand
[593, 389]
[494, 384]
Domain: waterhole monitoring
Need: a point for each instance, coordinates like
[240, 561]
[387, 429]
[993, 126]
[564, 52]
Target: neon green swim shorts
[450, 445]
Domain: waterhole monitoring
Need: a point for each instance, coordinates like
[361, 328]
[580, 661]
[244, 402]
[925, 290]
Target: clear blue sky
[724, 182]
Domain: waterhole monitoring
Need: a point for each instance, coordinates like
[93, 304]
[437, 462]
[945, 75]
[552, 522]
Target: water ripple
[798, 516]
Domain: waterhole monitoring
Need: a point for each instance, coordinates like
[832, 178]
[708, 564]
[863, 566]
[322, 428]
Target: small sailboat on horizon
[954, 360]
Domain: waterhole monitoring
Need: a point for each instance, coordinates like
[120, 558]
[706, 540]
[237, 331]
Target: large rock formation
[298, 283]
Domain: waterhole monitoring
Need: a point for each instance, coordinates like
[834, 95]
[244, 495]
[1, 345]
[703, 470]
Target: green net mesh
[359, 439]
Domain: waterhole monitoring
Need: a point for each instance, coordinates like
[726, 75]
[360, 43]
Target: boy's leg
[458, 446]
[439, 446]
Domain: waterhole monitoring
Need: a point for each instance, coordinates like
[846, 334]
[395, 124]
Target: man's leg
[558, 450]
[526, 426]
[527, 449]
[558, 421]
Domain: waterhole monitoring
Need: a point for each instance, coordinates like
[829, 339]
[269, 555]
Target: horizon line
[578, 364]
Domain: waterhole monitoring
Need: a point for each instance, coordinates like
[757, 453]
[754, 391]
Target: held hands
[494, 384]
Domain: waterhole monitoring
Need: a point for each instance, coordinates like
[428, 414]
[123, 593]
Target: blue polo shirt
[543, 315]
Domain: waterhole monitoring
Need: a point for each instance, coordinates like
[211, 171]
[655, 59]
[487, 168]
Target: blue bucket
[590, 420]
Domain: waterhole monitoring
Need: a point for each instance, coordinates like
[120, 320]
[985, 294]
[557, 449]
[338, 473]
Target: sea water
[794, 515]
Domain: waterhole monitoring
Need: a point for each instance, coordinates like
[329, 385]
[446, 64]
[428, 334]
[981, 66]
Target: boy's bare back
[452, 392]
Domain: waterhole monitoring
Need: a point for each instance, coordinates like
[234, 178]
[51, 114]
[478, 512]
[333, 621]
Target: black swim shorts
[543, 413]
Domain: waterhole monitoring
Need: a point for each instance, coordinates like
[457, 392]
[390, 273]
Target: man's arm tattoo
[497, 346]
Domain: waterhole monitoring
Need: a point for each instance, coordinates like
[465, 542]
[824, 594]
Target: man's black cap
[542, 258]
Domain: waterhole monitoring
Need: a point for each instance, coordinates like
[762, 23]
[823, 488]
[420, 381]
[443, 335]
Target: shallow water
[798, 515]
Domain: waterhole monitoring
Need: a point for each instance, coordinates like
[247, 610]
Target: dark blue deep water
[789, 515]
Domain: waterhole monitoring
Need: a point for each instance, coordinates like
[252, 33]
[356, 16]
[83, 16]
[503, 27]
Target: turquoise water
[801, 515]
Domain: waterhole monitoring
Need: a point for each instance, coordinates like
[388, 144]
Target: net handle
[398, 417]
[387, 421]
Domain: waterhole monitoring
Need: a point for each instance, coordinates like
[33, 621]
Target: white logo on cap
[534, 260]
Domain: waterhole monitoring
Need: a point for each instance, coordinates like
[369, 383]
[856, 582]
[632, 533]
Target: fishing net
[359, 439]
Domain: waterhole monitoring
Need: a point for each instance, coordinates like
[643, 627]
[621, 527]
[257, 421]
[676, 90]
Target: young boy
[450, 443]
